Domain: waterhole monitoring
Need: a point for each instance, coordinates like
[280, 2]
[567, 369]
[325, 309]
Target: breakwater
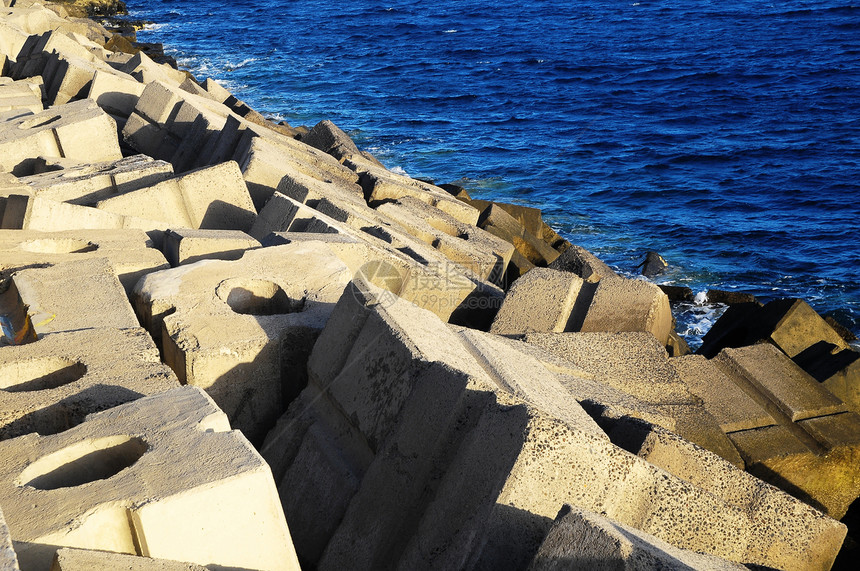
[239, 343]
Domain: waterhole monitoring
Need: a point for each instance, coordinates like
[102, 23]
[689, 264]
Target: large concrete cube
[163, 477]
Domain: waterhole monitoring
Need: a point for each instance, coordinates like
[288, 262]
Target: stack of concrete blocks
[416, 445]
[91, 353]
[797, 330]
[214, 197]
[115, 483]
[242, 330]
[789, 429]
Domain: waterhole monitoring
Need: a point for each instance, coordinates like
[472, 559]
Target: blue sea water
[724, 135]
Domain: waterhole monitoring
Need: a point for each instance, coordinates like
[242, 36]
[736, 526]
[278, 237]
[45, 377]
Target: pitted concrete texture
[186, 246]
[813, 449]
[627, 305]
[69, 296]
[130, 252]
[52, 384]
[77, 130]
[242, 330]
[466, 244]
[540, 301]
[724, 399]
[580, 539]
[402, 426]
[8, 557]
[562, 301]
[778, 379]
[583, 263]
[381, 185]
[637, 364]
[70, 559]
[87, 183]
[212, 197]
[114, 483]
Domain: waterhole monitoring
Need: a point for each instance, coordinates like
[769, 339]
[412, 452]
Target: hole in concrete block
[257, 297]
[38, 122]
[84, 462]
[59, 246]
[39, 374]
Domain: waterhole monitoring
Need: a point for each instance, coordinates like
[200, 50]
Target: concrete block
[610, 305]
[8, 557]
[186, 246]
[212, 198]
[146, 71]
[97, 298]
[495, 220]
[19, 95]
[627, 305]
[115, 93]
[130, 252]
[78, 130]
[782, 382]
[638, 365]
[23, 212]
[402, 427]
[486, 255]
[216, 90]
[264, 162]
[733, 409]
[582, 263]
[12, 40]
[540, 301]
[242, 330]
[121, 482]
[381, 185]
[327, 137]
[87, 183]
[69, 559]
[50, 386]
[581, 539]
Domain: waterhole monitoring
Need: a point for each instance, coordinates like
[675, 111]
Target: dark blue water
[724, 135]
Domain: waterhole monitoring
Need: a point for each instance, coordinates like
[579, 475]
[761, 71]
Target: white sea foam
[451, 31]
[399, 170]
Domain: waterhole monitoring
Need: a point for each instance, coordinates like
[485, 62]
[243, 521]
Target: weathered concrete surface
[409, 267]
[88, 183]
[212, 198]
[637, 364]
[25, 212]
[403, 426]
[130, 252]
[8, 557]
[540, 301]
[99, 300]
[52, 384]
[115, 483]
[186, 246]
[70, 559]
[78, 130]
[242, 330]
[562, 301]
[813, 448]
[580, 539]
[799, 332]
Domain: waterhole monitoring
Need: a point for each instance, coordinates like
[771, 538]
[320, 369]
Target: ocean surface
[724, 135]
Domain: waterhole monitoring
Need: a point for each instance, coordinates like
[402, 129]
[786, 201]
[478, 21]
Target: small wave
[450, 31]
[229, 66]
[399, 170]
